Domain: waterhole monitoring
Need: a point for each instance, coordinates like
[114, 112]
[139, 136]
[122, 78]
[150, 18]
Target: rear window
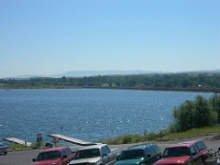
[103, 150]
[107, 149]
[90, 153]
[196, 148]
[176, 152]
[201, 145]
[192, 149]
[63, 153]
[68, 151]
[132, 154]
[147, 151]
[153, 151]
[48, 155]
[156, 148]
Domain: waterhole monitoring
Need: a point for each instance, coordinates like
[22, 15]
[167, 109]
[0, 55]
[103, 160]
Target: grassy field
[161, 136]
[194, 132]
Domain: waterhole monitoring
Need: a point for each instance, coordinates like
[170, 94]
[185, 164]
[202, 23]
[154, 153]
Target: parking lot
[25, 157]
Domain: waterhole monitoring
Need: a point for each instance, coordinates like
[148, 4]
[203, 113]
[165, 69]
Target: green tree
[194, 114]
[215, 103]
[105, 85]
[184, 116]
[114, 84]
[204, 116]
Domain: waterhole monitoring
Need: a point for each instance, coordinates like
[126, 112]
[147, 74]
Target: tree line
[184, 80]
[199, 113]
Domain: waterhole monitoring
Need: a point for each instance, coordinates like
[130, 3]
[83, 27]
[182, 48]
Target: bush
[137, 138]
[172, 128]
[34, 145]
[194, 114]
[215, 104]
[127, 139]
[151, 136]
[123, 139]
[17, 147]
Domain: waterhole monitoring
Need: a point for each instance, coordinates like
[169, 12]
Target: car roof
[1, 144]
[181, 145]
[97, 146]
[192, 142]
[141, 146]
[55, 149]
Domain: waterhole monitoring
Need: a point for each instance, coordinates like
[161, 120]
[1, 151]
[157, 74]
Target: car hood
[46, 162]
[173, 160]
[90, 160]
[129, 161]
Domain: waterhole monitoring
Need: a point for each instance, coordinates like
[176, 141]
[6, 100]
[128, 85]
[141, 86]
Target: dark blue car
[3, 149]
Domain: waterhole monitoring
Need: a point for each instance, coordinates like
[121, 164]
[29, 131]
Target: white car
[99, 154]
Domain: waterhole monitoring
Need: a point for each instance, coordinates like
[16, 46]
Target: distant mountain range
[97, 73]
[110, 72]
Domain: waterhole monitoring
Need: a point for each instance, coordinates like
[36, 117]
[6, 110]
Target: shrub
[151, 136]
[123, 139]
[126, 139]
[194, 114]
[17, 147]
[137, 138]
[215, 104]
[172, 128]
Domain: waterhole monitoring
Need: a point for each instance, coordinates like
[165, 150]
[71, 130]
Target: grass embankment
[18, 147]
[136, 138]
[161, 136]
[195, 132]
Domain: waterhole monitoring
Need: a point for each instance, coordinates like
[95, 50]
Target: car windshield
[132, 154]
[87, 153]
[48, 155]
[176, 152]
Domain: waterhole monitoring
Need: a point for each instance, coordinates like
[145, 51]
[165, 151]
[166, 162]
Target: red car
[181, 154]
[55, 156]
[201, 147]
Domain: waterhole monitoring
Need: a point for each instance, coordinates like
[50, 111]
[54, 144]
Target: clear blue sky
[47, 37]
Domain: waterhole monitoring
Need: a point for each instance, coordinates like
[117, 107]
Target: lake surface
[87, 114]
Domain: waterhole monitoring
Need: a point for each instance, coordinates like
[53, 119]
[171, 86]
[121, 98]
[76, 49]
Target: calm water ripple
[87, 114]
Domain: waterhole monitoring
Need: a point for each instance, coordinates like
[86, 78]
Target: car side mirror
[148, 155]
[105, 154]
[194, 153]
[34, 160]
[64, 156]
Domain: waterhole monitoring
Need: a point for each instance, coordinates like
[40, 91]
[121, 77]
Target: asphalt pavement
[25, 157]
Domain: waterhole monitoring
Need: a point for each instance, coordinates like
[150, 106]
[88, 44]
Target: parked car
[181, 154]
[55, 156]
[201, 147]
[3, 149]
[140, 154]
[99, 154]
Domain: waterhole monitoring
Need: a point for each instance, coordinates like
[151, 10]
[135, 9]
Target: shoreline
[208, 90]
[205, 90]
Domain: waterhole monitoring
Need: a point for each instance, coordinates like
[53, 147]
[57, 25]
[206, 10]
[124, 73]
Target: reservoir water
[87, 114]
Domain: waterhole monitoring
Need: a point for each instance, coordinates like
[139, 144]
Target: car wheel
[5, 153]
[199, 161]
